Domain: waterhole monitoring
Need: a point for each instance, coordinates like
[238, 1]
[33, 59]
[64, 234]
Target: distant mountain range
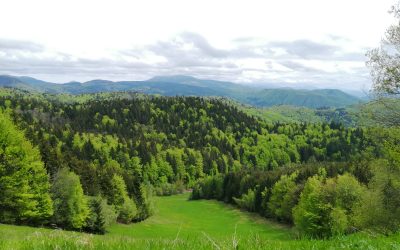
[187, 85]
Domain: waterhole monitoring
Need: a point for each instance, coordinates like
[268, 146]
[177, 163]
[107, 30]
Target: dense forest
[105, 155]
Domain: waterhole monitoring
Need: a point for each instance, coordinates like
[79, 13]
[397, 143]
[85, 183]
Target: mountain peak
[97, 81]
[172, 78]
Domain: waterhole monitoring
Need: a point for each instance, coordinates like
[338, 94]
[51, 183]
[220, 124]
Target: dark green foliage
[247, 201]
[166, 189]
[96, 221]
[306, 98]
[208, 188]
[145, 207]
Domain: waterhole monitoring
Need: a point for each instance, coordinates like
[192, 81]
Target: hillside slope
[190, 86]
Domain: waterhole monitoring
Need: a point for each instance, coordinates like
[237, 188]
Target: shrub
[128, 211]
[166, 189]
[247, 201]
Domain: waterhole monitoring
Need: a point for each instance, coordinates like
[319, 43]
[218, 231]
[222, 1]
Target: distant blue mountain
[191, 86]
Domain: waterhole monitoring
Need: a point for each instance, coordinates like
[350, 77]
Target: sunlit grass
[182, 224]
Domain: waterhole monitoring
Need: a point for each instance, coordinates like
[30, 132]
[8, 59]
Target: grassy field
[182, 224]
[175, 214]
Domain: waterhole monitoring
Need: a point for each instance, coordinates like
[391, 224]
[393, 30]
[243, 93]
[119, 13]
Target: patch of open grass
[195, 218]
[182, 224]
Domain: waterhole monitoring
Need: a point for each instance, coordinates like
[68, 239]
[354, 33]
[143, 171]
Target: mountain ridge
[190, 86]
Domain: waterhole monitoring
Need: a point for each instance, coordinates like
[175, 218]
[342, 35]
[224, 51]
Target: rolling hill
[190, 86]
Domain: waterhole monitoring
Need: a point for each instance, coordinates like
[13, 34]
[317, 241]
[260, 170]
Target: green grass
[182, 224]
[176, 214]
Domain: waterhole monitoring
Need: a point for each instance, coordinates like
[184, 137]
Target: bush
[247, 201]
[128, 211]
[210, 187]
[167, 189]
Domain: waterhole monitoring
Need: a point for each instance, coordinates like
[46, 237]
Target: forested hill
[190, 86]
[170, 138]
[119, 144]
[176, 132]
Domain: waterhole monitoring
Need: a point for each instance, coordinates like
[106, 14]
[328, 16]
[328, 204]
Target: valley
[182, 224]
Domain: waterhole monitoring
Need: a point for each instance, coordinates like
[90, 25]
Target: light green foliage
[102, 143]
[311, 215]
[109, 213]
[117, 193]
[283, 197]
[175, 159]
[379, 208]
[24, 184]
[127, 211]
[326, 205]
[171, 142]
[106, 120]
[338, 221]
[166, 189]
[118, 196]
[145, 202]
[70, 205]
[348, 192]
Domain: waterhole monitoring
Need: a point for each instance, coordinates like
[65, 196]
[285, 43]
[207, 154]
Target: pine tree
[96, 222]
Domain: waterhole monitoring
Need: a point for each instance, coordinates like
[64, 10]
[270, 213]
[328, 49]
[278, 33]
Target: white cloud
[321, 42]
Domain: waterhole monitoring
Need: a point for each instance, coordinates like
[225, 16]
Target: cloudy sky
[288, 42]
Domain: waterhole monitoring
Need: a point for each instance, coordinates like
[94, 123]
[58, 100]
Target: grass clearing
[182, 224]
[176, 214]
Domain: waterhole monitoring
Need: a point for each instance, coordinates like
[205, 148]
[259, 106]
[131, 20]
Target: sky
[298, 43]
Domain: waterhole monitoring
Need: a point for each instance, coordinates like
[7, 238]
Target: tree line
[321, 199]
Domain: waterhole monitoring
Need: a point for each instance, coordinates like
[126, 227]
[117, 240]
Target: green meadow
[182, 224]
[177, 216]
